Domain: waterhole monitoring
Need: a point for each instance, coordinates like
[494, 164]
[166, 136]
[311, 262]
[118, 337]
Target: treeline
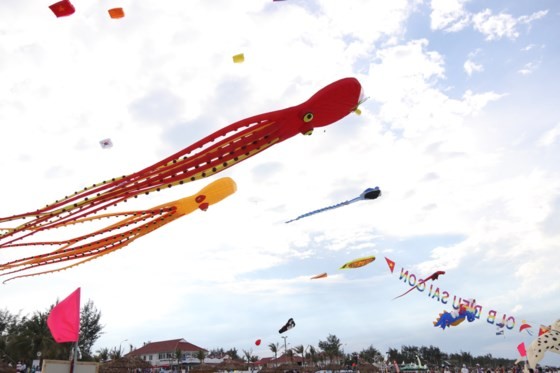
[27, 338]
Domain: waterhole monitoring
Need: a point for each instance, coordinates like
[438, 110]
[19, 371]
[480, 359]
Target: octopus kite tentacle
[73, 249]
[206, 157]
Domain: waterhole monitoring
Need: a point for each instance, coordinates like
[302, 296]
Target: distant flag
[390, 263]
[116, 13]
[64, 319]
[62, 8]
[396, 366]
[521, 349]
[106, 143]
[543, 329]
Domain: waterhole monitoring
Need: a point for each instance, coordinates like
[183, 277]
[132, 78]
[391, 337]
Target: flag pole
[74, 356]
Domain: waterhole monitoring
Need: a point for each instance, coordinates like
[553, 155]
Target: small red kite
[62, 8]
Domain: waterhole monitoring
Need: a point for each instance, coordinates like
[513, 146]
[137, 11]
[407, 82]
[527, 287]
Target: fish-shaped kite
[357, 263]
[205, 158]
[433, 276]
[369, 193]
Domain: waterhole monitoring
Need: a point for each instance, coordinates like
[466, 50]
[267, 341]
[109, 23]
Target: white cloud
[502, 25]
[471, 66]
[448, 15]
[529, 68]
[550, 137]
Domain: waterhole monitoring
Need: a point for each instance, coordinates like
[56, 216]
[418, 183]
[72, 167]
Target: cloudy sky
[461, 132]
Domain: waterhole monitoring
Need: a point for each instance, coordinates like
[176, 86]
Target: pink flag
[64, 319]
[521, 349]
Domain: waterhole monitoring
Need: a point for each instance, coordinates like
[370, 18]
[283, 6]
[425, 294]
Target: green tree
[312, 354]
[232, 353]
[201, 355]
[299, 350]
[90, 329]
[331, 347]
[371, 355]
[248, 355]
[274, 348]
[102, 354]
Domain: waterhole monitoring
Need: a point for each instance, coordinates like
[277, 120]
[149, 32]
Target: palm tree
[274, 348]
[299, 350]
[248, 355]
[102, 354]
[312, 353]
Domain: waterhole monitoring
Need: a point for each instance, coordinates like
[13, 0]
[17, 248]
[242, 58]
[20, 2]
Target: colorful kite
[321, 275]
[369, 193]
[116, 13]
[239, 58]
[525, 326]
[81, 249]
[454, 318]
[206, 157]
[549, 341]
[357, 263]
[391, 264]
[433, 276]
[289, 325]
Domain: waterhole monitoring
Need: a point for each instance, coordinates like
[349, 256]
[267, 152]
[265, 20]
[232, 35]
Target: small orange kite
[322, 275]
[116, 13]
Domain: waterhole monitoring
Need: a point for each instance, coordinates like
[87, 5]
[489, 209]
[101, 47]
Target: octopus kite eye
[308, 117]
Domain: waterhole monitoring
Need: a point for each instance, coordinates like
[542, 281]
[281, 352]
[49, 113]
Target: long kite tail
[369, 193]
[409, 290]
[324, 209]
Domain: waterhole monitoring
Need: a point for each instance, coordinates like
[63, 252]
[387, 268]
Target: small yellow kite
[357, 263]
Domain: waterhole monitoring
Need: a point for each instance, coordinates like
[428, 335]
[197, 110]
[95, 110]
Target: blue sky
[461, 132]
